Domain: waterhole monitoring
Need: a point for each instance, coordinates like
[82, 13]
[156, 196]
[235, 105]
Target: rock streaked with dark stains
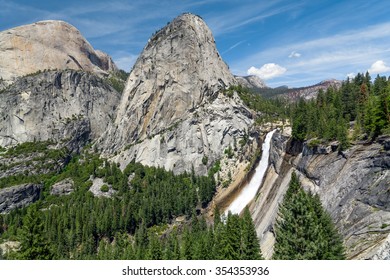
[354, 187]
[18, 196]
[70, 107]
[173, 111]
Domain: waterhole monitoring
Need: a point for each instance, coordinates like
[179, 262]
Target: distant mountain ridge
[294, 94]
[310, 92]
[251, 82]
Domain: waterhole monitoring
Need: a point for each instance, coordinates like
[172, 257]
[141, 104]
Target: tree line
[359, 104]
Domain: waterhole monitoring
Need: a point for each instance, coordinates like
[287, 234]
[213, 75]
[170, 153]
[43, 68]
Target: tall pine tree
[304, 229]
[33, 243]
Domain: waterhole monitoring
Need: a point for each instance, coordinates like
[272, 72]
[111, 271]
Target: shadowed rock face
[48, 45]
[173, 111]
[68, 106]
[18, 196]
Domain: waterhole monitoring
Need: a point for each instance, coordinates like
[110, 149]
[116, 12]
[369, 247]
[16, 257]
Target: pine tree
[304, 229]
[33, 244]
[231, 251]
[250, 246]
[217, 216]
[187, 245]
[220, 241]
[154, 249]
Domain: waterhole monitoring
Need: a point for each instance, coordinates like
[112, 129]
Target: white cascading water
[250, 190]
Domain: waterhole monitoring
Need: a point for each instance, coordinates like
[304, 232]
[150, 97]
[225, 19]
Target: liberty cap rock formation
[173, 111]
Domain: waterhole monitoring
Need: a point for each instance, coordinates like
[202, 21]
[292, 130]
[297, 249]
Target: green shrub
[205, 160]
[229, 152]
[104, 188]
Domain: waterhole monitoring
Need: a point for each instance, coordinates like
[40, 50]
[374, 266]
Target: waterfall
[250, 190]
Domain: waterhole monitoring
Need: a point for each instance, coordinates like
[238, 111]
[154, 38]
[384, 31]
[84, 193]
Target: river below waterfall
[250, 190]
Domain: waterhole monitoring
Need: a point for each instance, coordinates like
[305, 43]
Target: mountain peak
[185, 24]
[49, 44]
[173, 93]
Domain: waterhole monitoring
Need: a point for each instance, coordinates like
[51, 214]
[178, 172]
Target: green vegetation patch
[304, 230]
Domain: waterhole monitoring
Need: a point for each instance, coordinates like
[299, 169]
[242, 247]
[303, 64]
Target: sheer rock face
[353, 187]
[173, 111]
[67, 106]
[18, 196]
[48, 45]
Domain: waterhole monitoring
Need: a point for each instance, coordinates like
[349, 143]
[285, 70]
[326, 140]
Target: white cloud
[351, 75]
[294, 54]
[267, 71]
[378, 67]
[325, 57]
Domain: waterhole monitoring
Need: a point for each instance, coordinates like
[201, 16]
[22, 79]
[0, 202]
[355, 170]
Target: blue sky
[293, 43]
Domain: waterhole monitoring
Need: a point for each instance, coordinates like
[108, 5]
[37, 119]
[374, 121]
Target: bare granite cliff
[48, 44]
[173, 111]
[71, 107]
[353, 186]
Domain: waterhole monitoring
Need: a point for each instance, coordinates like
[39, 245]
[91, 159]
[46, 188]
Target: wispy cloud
[294, 54]
[334, 55]
[234, 46]
[232, 20]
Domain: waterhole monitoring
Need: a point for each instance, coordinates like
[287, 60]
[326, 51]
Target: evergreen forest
[358, 110]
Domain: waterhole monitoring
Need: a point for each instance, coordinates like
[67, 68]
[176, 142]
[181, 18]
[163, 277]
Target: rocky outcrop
[173, 111]
[18, 196]
[252, 82]
[48, 45]
[63, 187]
[353, 186]
[97, 191]
[27, 163]
[69, 107]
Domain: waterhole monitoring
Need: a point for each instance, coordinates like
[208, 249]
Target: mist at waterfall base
[250, 190]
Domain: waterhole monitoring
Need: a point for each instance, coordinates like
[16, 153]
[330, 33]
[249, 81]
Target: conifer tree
[33, 243]
[250, 246]
[154, 249]
[231, 251]
[304, 229]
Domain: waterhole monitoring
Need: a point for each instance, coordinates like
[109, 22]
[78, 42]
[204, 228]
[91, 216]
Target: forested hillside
[72, 226]
[359, 110]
